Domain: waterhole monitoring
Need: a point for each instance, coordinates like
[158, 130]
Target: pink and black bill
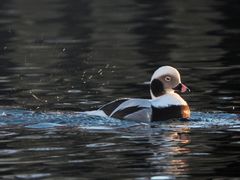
[182, 88]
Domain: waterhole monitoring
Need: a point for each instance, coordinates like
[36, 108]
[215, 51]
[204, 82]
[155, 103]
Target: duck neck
[166, 91]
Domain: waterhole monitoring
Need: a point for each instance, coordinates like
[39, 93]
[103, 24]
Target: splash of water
[46, 120]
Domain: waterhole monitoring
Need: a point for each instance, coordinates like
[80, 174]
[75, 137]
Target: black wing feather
[110, 107]
[124, 112]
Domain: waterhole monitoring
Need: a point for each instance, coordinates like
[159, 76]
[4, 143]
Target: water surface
[61, 57]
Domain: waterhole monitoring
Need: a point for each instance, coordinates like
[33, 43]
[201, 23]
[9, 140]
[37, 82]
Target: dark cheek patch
[157, 87]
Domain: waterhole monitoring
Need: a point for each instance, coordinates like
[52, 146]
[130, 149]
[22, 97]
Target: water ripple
[48, 120]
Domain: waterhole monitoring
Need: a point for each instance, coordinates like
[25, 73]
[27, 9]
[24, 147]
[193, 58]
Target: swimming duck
[164, 104]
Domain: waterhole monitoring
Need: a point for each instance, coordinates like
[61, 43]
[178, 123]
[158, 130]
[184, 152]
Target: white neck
[168, 99]
[167, 91]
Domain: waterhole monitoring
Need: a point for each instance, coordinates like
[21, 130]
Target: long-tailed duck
[165, 103]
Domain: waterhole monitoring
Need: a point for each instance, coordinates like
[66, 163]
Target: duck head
[166, 79]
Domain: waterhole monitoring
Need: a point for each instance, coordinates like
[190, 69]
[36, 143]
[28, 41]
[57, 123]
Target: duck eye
[167, 78]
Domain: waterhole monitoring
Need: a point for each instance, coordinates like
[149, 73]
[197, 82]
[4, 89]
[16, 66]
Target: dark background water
[77, 55]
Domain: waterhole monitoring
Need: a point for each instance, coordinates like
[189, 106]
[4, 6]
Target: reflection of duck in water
[165, 103]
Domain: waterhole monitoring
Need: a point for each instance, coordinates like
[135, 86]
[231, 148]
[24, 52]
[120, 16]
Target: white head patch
[164, 70]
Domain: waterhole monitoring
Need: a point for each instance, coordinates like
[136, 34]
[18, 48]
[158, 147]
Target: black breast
[171, 112]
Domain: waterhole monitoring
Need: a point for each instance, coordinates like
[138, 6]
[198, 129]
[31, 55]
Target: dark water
[59, 57]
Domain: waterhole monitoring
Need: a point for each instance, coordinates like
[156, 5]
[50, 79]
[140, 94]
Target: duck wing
[129, 109]
[110, 107]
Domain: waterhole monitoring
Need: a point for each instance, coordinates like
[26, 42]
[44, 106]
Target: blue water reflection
[45, 120]
[46, 145]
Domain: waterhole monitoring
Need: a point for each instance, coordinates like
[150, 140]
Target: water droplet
[90, 77]
[3, 114]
